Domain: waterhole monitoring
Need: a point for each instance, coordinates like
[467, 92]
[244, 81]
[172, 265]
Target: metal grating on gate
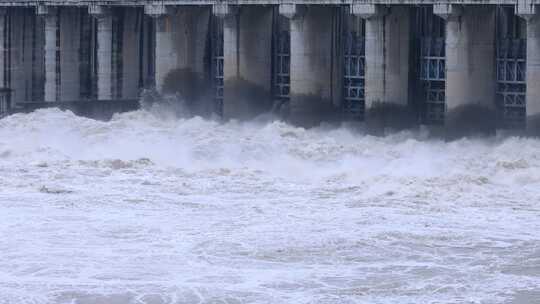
[354, 69]
[432, 65]
[432, 75]
[281, 62]
[217, 63]
[511, 69]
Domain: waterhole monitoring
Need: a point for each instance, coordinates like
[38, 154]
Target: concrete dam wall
[462, 65]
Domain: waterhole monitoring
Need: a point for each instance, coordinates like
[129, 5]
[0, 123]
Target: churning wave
[153, 208]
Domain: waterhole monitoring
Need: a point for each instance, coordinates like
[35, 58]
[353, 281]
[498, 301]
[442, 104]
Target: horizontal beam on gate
[256, 2]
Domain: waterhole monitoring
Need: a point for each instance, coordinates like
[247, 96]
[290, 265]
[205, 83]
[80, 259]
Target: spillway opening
[354, 59]
[216, 69]
[88, 56]
[511, 68]
[147, 49]
[281, 62]
[432, 76]
[117, 46]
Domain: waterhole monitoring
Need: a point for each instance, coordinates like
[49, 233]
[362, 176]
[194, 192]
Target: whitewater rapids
[152, 209]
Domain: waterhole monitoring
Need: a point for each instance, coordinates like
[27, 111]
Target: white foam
[149, 208]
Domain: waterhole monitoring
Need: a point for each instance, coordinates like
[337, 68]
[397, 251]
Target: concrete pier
[532, 18]
[181, 48]
[247, 67]
[375, 90]
[105, 83]
[470, 69]
[388, 42]
[52, 92]
[62, 32]
[316, 70]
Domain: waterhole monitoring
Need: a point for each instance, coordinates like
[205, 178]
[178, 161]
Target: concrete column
[104, 51]
[167, 59]
[247, 67]
[37, 62]
[181, 46]
[50, 16]
[470, 68]
[532, 17]
[315, 80]
[388, 40]
[375, 76]
[181, 37]
[397, 40]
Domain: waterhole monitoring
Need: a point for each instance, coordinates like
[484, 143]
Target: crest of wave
[194, 143]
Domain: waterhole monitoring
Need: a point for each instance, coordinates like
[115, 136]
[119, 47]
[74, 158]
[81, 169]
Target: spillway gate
[354, 72]
[511, 68]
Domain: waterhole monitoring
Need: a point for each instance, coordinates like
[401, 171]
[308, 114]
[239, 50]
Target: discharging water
[154, 209]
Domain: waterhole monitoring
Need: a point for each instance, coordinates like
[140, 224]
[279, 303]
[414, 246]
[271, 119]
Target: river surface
[149, 208]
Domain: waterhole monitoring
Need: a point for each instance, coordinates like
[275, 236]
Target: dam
[388, 63]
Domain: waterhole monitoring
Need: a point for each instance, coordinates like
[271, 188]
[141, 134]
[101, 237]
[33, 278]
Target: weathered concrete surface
[51, 27]
[247, 67]
[397, 45]
[470, 71]
[181, 41]
[316, 84]
[105, 79]
[533, 75]
[62, 43]
[388, 42]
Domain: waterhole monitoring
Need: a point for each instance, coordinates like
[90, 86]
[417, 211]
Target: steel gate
[432, 65]
[354, 68]
[281, 62]
[511, 69]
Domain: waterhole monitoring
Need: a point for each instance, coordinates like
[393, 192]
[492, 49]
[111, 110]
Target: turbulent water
[154, 209]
